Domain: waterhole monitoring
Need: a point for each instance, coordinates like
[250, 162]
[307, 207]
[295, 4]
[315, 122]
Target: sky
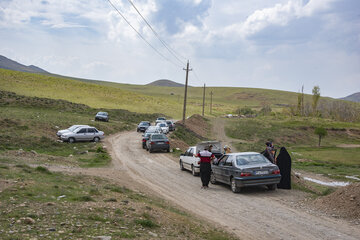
[273, 44]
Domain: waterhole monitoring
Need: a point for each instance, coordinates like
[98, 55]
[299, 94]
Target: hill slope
[7, 63]
[165, 83]
[353, 97]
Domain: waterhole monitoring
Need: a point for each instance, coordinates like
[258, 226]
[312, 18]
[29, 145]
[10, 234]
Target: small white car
[160, 119]
[81, 134]
[164, 127]
[190, 161]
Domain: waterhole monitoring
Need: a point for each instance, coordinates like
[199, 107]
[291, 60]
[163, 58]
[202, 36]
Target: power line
[141, 36]
[171, 51]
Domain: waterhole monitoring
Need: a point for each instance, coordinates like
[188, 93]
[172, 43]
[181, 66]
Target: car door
[221, 169]
[90, 135]
[188, 158]
[81, 134]
[228, 169]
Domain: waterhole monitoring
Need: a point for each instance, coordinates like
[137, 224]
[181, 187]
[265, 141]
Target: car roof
[243, 153]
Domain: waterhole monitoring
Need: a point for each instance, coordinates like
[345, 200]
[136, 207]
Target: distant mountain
[165, 83]
[12, 65]
[353, 97]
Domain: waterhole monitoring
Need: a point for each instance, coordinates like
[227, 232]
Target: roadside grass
[297, 135]
[38, 203]
[182, 133]
[31, 123]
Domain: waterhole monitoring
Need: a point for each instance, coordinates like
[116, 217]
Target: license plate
[160, 142]
[261, 172]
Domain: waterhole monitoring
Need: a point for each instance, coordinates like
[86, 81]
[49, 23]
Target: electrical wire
[171, 51]
[141, 36]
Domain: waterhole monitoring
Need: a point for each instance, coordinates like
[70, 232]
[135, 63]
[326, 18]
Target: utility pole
[203, 101]
[186, 85]
[211, 94]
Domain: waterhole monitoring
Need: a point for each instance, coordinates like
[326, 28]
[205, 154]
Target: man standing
[205, 166]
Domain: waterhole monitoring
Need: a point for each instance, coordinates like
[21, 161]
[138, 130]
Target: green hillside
[142, 98]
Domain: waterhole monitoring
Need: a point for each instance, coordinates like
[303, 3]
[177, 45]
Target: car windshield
[102, 113]
[72, 128]
[161, 118]
[158, 136]
[147, 135]
[162, 125]
[250, 159]
[144, 124]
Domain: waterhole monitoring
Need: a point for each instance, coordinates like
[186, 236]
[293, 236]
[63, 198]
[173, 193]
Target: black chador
[284, 163]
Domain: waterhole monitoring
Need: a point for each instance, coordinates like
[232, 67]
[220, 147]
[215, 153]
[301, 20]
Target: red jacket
[205, 156]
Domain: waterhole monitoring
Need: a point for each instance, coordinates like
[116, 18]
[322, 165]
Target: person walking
[283, 161]
[205, 166]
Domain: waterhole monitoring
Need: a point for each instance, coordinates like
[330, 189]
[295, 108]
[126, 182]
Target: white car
[81, 134]
[160, 119]
[190, 161]
[70, 129]
[164, 127]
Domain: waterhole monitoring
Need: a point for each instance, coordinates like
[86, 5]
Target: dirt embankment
[344, 202]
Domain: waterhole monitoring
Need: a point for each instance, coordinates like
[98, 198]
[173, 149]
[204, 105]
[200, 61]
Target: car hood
[63, 131]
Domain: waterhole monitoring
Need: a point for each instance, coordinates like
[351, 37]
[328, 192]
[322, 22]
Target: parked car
[164, 127]
[70, 129]
[153, 129]
[245, 169]
[189, 160]
[158, 142]
[83, 134]
[171, 125]
[143, 126]
[160, 119]
[102, 116]
[145, 137]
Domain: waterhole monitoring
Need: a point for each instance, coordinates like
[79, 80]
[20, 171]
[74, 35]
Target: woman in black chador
[284, 163]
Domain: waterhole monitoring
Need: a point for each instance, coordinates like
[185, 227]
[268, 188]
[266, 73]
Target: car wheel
[168, 150]
[96, 139]
[271, 187]
[143, 147]
[137, 130]
[212, 178]
[193, 171]
[71, 140]
[150, 150]
[181, 166]
[234, 188]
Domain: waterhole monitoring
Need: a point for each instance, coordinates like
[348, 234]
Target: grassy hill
[143, 98]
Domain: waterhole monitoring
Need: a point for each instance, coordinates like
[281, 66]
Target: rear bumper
[160, 147]
[257, 181]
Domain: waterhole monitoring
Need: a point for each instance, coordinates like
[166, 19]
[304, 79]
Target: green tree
[321, 132]
[315, 98]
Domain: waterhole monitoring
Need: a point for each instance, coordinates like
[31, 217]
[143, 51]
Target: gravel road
[253, 214]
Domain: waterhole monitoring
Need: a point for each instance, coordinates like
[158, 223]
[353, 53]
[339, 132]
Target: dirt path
[218, 131]
[254, 214]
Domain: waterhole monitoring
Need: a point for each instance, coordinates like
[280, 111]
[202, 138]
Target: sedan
[70, 129]
[158, 142]
[245, 169]
[164, 127]
[102, 116]
[171, 125]
[143, 126]
[160, 119]
[83, 134]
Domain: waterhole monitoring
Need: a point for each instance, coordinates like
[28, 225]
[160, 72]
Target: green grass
[143, 98]
[297, 135]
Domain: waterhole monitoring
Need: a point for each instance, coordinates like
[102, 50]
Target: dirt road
[254, 214]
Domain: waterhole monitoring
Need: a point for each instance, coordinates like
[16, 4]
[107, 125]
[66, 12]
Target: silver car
[70, 129]
[81, 134]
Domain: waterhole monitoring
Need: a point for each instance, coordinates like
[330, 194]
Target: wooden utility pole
[211, 94]
[203, 101]
[186, 85]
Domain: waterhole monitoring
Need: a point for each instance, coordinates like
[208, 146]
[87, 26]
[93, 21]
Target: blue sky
[276, 44]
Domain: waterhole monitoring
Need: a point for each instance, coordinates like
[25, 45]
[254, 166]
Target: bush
[245, 111]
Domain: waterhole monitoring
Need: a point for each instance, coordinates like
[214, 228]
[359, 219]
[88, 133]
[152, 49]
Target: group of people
[283, 161]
